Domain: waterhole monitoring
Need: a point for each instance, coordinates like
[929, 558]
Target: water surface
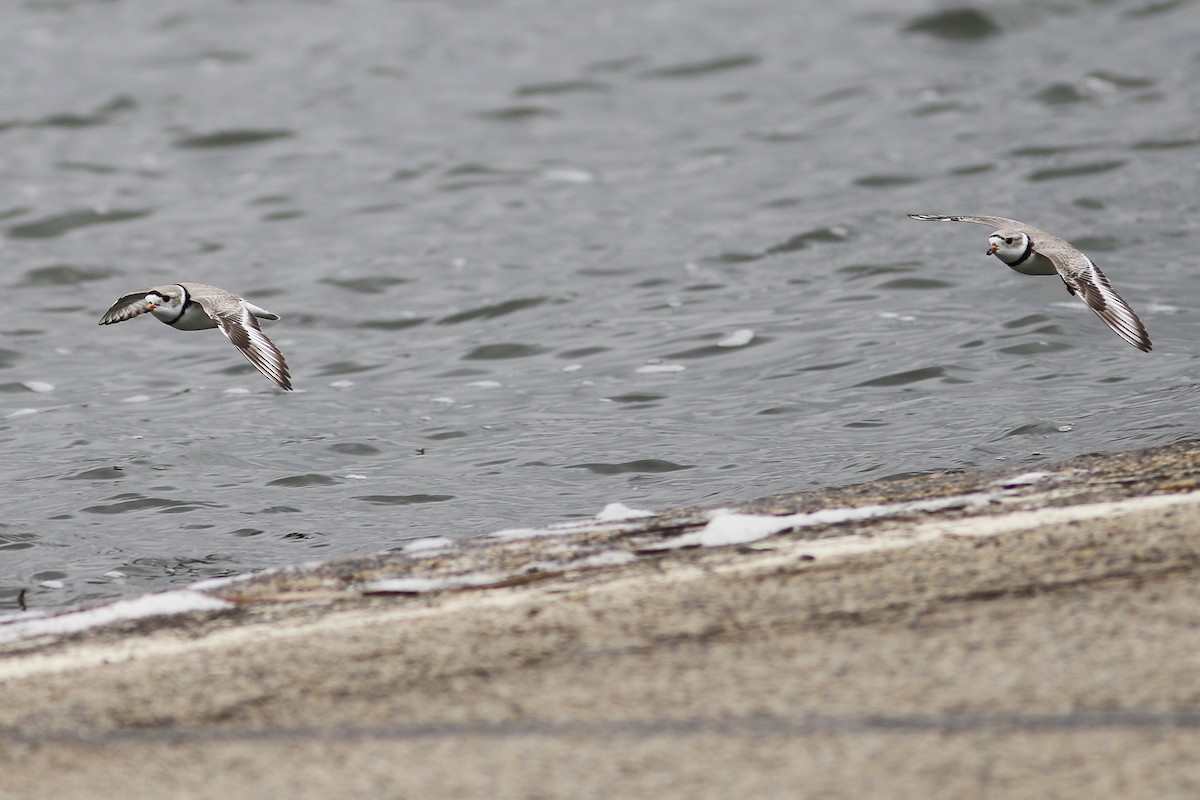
[533, 257]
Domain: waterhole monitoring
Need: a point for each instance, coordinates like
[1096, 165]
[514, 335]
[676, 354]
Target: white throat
[1020, 255]
[191, 318]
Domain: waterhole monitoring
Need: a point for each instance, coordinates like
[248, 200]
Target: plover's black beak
[991, 251]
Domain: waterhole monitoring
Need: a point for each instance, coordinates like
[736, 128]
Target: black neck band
[183, 306]
[1024, 256]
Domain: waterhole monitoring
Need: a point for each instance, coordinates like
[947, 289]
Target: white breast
[1036, 264]
[193, 318]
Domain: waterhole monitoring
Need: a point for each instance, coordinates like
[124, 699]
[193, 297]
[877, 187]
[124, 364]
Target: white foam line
[734, 528]
[411, 585]
[151, 605]
[428, 544]
[619, 512]
[1025, 520]
[826, 549]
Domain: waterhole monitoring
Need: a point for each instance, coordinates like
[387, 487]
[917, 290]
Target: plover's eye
[1008, 240]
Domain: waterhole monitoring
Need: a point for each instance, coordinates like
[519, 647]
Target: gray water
[536, 256]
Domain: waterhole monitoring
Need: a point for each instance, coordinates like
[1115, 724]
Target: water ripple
[653, 465]
[65, 275]
[492, 352]
[956, 24]
[1165, 144]
[366, 284]
[124, 503]
[57, 225]
[304, 481]
[906, 377]
[355, 449]
[1074, 171]
[516, 113]
[98, 474]
[886, 181]
[562, 87]
[238, 137]
[100, 116]
[12, 540]
[403, 499]
[698, 68]
[493, 310]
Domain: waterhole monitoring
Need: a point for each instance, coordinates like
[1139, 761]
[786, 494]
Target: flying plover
[1032, 251]
[197, 307]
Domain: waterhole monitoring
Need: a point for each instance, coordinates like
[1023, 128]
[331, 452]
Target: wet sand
[1035, 635]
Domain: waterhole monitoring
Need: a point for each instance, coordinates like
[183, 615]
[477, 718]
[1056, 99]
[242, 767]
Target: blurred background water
[536, 256]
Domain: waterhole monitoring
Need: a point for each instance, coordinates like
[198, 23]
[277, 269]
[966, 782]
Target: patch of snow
[736, 528]
[607, 558]
[513, 534]
[618, 511]
[427, 544]
[151, 605]
[225, 580]
[422, 585]
[732, 529]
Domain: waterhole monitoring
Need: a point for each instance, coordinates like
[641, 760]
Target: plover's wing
[128, 307]
[1039, 236]
[1085, 279]
[995, 222]
[234, 320]
[215, 297]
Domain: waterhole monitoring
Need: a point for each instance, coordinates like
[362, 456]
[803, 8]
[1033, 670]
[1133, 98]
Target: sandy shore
[987, 634]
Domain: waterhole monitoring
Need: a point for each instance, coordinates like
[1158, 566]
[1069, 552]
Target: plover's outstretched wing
[128, 307]
[1037, 234]
[995, 222]
[1085, 279]
[237, 322]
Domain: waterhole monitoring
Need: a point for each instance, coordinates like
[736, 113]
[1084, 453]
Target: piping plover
[1032, 251]
[197, 307]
